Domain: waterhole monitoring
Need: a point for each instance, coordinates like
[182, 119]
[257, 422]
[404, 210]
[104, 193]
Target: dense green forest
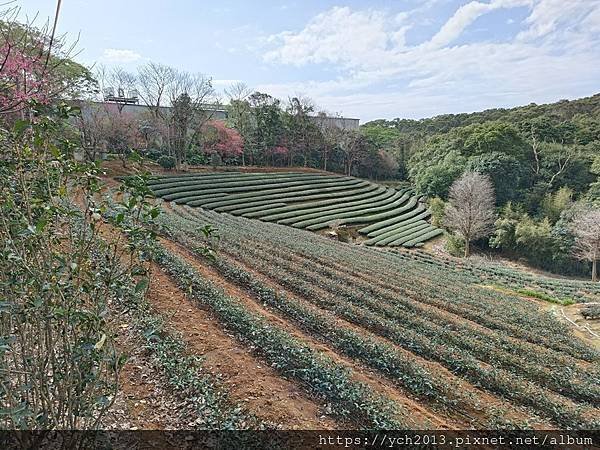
[544, 162]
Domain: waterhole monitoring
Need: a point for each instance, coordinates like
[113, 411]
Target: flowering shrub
[23, 77]
[224, 141]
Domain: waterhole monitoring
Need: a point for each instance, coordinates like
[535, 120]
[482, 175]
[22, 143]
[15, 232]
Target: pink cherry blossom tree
[35, 64]
[225, 141]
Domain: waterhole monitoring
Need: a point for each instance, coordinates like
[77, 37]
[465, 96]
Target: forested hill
[543, 161]
[563, 110]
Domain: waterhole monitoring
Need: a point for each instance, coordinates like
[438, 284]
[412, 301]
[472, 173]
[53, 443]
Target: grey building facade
[216, 112]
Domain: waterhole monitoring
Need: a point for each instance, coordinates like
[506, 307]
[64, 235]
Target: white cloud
[339, 35]
[556, 53]
[466, 15]
[556, 16]
[122, 56]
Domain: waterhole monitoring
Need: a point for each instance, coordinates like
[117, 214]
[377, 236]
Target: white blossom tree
[586, 229]
[470, 210]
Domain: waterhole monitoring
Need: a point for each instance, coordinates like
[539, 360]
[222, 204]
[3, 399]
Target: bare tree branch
[586, 230]
[470, 209]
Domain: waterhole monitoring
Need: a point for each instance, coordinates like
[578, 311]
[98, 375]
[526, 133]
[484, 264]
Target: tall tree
[195, 97]
[181, 121]
[268, 124]
[240, 114]
[188, 93]
[353, 146]
[586, 230]
[155, 81]
[303, 133]
[331, 138]
[154, 84]
[470, 209]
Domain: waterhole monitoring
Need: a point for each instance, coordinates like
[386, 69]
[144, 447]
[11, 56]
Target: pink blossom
[23, 77]
[227, 143]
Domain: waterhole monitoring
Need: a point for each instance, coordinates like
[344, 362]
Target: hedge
[424, 237]
[410, 237]
[394, 220]
[323, 221]
[234, 201]
[410, 222]
[333, 382]
[406, 231]
[373, 217]
[296, 216]
[419, 212]
[166, 180]
[197, 199]
[334, 195]
[240, 186]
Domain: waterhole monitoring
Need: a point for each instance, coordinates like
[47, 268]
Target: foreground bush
[58, 364]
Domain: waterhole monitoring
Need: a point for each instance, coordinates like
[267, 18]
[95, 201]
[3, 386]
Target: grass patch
[522, 292]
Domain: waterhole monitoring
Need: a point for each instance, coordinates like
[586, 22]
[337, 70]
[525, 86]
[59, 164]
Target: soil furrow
[421, 416]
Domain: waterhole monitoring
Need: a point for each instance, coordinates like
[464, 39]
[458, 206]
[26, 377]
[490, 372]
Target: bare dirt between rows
[144, 400]
[421, 417]
[421, 413]
[465, 419]
[458, 419]
[246, 379]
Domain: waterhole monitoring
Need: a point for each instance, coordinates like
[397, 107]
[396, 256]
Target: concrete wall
[344, 123]
[87, 109]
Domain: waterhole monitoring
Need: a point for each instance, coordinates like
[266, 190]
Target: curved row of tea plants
[408, 373]
[420, 327]
[553, 289]
[501, 312]
[350, 399]
[301, 200]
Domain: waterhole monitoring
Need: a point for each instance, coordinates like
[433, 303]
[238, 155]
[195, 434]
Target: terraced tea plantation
[487, 273]
[380, 340]
[385, 216]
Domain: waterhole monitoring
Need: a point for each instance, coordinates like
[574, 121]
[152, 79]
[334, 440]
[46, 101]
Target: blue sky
[376, 59]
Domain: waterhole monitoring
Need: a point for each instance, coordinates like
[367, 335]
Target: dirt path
[586, 330]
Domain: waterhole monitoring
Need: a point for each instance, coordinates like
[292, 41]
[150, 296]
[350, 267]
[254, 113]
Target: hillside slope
[309, 201]
[420, 345]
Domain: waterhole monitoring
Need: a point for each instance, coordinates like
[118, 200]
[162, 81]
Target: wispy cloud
[120, 56]
[466, 15]
[550, 54]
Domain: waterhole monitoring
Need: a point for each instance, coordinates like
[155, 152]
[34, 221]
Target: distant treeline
[544, 161]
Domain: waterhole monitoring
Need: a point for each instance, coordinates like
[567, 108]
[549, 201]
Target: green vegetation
[494, 340]
[166, 162]
[375, 338]
[310, 201]
[541, 159]
[293, 358]
[591, 312]
[205, 398]
[564, 291]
